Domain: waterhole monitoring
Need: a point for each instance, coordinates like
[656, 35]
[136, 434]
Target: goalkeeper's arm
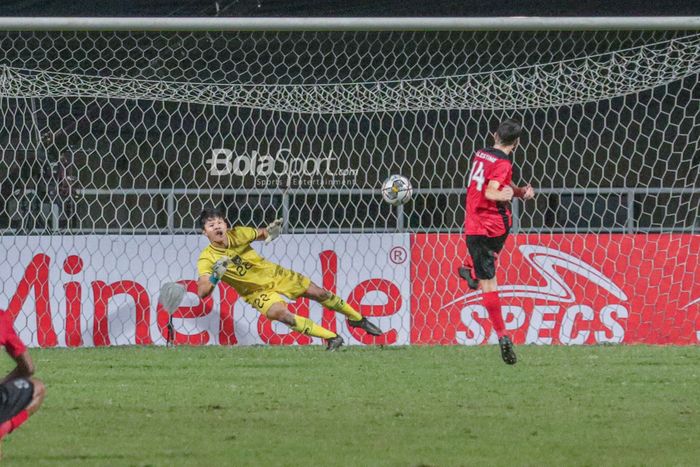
[204, 286]
[207, 283]
[270, 232]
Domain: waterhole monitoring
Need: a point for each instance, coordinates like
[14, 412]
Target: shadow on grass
[136, 457]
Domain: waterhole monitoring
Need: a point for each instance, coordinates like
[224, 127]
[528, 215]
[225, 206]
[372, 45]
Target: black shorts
[483, 251]
[15, 396]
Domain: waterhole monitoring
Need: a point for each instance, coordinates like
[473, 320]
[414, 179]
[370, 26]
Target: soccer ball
[397, 190]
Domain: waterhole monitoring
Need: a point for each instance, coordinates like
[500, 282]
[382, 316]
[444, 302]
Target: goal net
[112, 142]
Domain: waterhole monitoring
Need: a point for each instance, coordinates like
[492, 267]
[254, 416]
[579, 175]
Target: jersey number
[477, 175]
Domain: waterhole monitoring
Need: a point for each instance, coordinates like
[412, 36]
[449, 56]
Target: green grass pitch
[410, 406]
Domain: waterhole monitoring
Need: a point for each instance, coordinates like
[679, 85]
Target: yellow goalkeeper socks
[308, 327]
[336, 303]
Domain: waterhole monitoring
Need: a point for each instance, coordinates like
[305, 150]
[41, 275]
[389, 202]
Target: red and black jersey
[486, 217]
[9, 338]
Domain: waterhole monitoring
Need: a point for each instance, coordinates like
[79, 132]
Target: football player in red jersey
[488, 222]
[21, 395]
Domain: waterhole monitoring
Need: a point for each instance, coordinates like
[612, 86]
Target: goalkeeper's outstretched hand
[273, 230]
[219, 269]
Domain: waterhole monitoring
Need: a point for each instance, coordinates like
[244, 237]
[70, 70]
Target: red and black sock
[493, 305]
[13, 423]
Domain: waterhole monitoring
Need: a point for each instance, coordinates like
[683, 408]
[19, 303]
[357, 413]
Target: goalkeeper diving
[229, 258]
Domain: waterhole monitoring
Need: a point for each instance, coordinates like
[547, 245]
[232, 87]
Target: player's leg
[333, 302]
[484, 251]
[480, 249]
[270, 303]
[467, 273]
[492, 303]
[277, 310]
[293, 285]
[38, 396]
[22, 397]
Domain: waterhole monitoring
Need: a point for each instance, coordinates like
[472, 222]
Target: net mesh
[567, 82]
[113, 141]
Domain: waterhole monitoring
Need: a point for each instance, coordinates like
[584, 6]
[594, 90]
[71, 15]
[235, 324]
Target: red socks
[13, 423]
[492, 304]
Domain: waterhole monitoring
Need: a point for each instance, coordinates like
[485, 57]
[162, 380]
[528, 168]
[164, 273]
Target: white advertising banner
[103, 289]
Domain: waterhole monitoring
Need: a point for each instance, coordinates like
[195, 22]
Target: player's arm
[207, 282]
[494, 192]
[246, 235]
[524, 192]
[270, 232]
[496, 188]
[204, 286]
[18, 351]
[210, 274]
[23, 369]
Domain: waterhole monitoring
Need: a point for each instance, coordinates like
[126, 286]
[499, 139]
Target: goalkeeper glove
[273, 230]
[219, 269]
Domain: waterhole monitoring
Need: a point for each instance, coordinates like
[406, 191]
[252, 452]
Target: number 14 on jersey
[477, 175]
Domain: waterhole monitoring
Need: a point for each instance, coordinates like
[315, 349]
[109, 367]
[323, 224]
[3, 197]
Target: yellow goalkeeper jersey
[250, 271]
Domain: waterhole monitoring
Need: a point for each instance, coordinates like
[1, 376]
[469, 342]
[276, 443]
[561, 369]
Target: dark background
[347, 8]
[56, 148]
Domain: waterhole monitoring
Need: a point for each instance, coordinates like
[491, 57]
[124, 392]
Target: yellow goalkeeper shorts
[288, 283]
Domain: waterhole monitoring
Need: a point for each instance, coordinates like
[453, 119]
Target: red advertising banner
[562, 289]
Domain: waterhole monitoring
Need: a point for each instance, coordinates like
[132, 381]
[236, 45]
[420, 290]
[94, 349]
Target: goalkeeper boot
[365, 324]
[467, 274]
[507, 350]
[334, 343]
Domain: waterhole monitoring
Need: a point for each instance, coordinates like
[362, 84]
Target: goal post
[297, 24]
[117, 131]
